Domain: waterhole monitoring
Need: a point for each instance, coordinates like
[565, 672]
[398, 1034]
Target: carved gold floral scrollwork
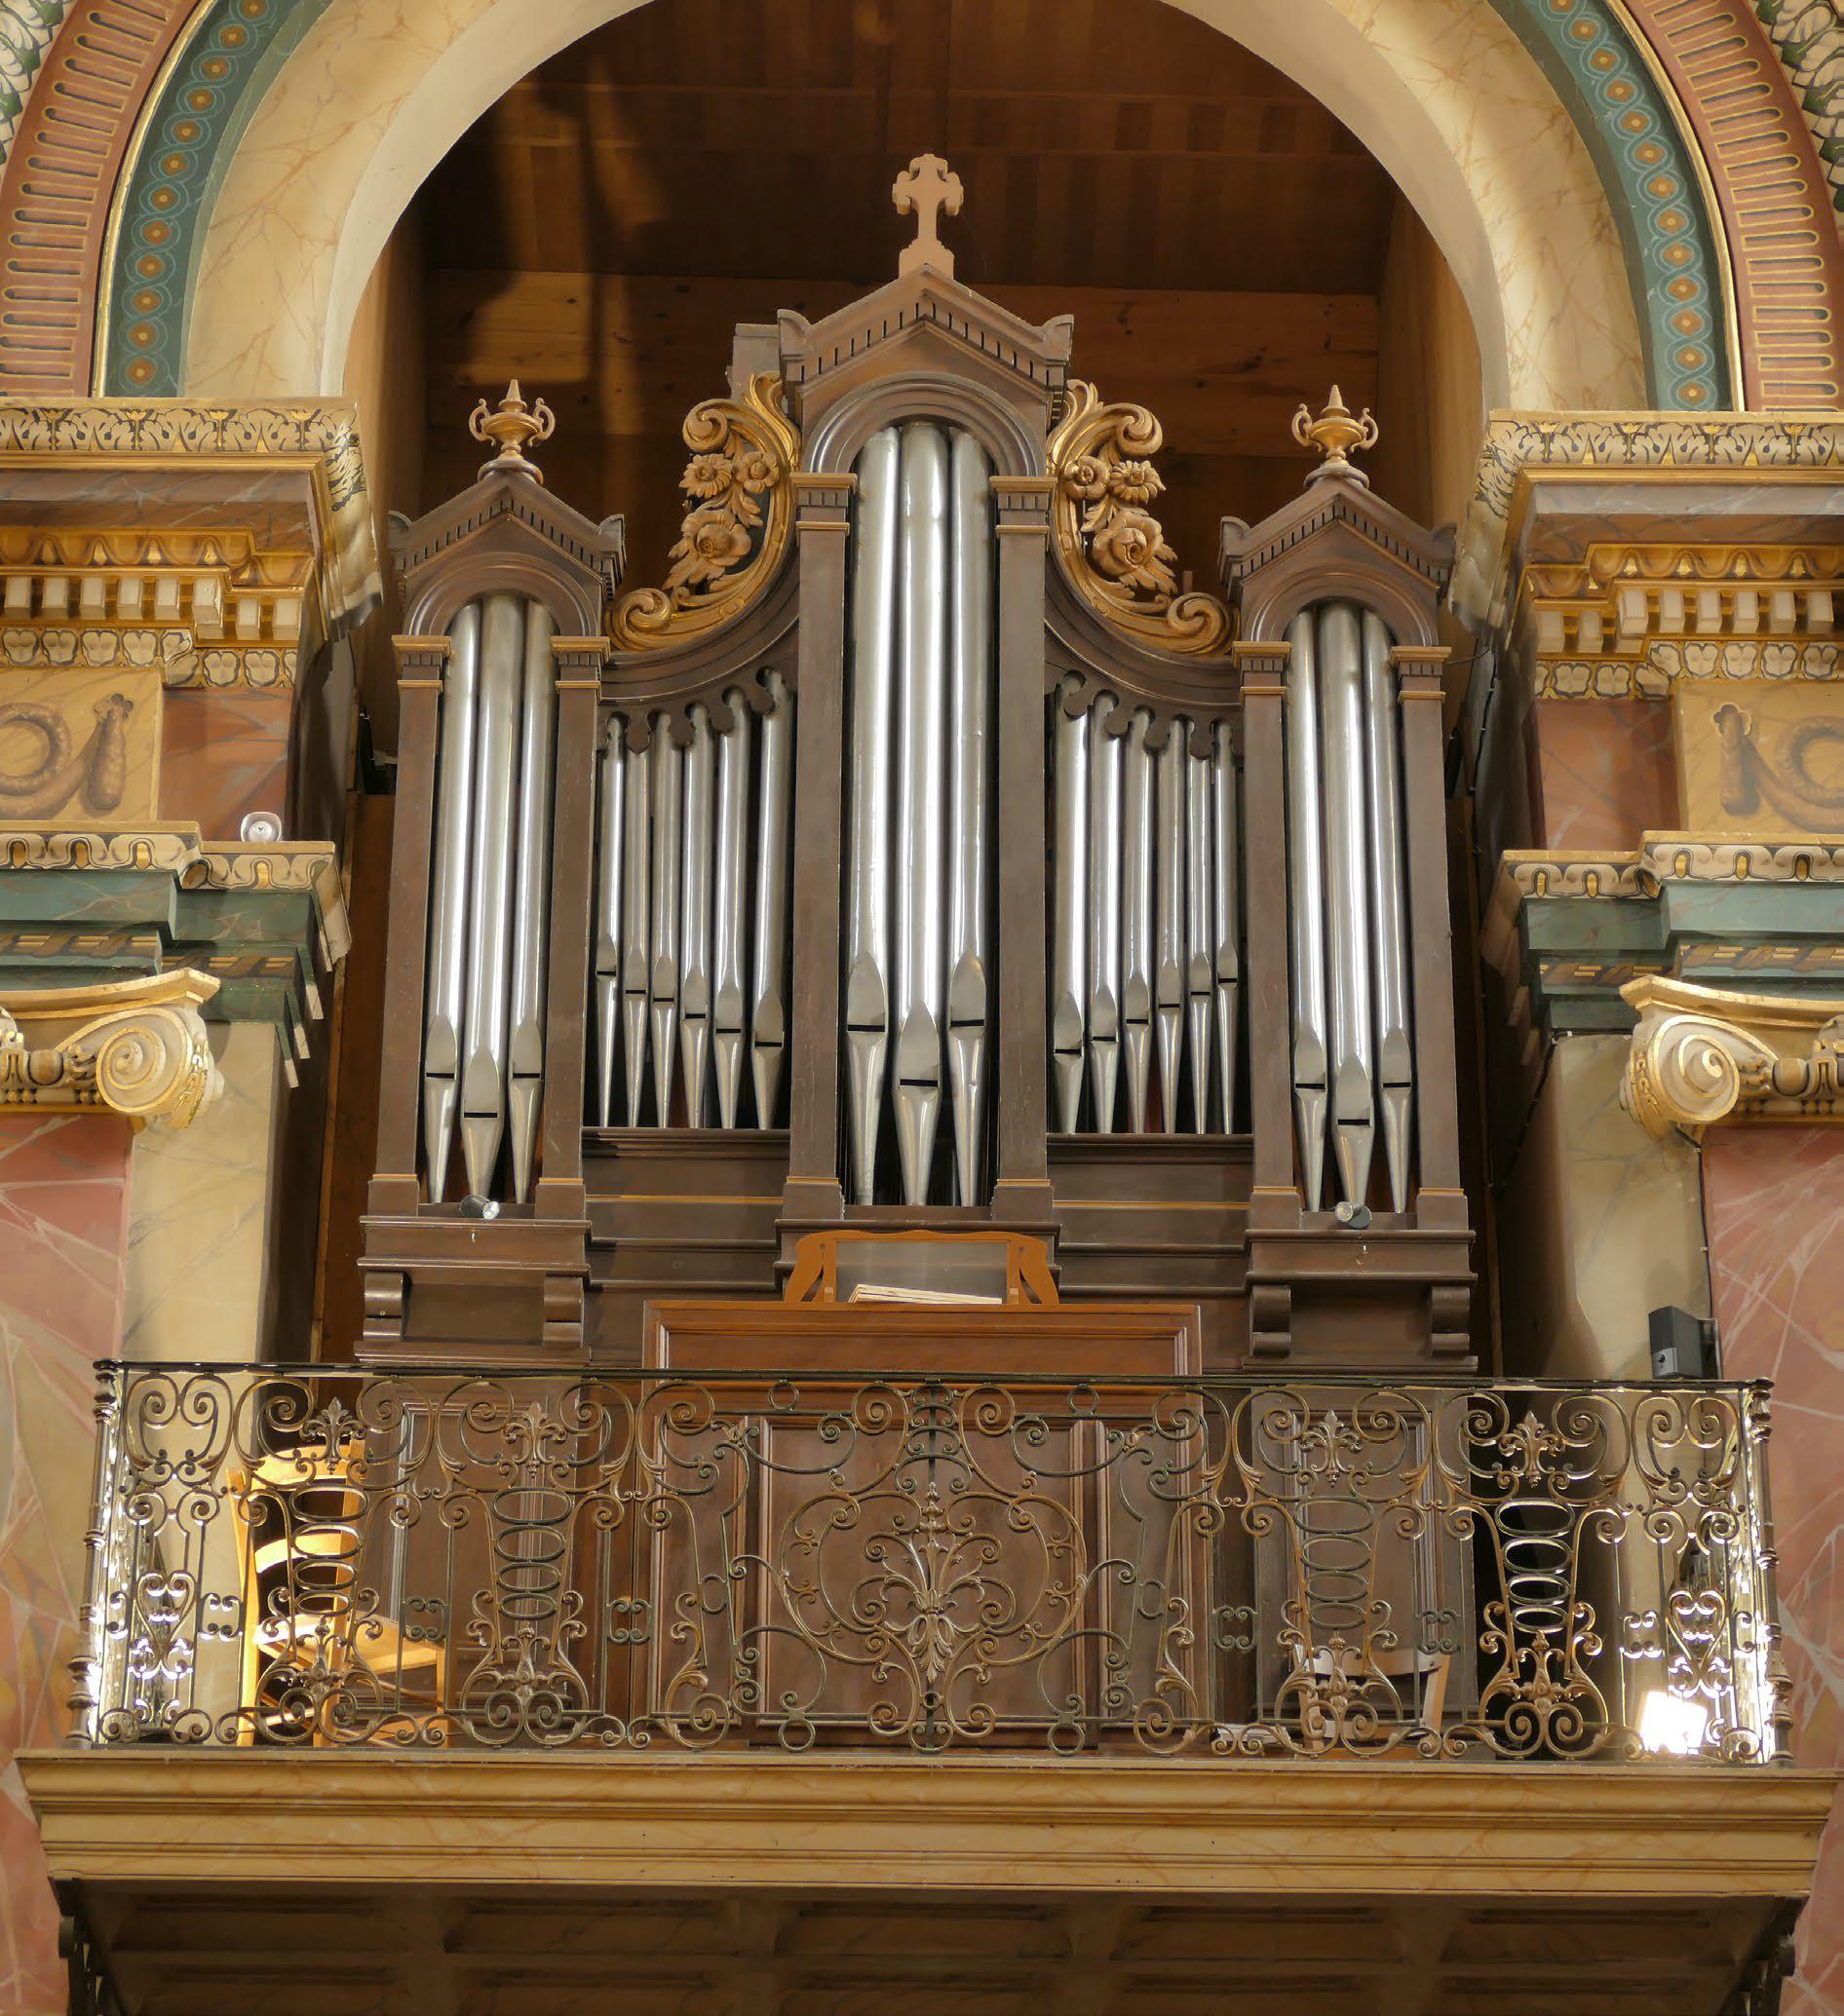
[1112, 547]
[734, 538]
[135, 1048]
[1700, 1055]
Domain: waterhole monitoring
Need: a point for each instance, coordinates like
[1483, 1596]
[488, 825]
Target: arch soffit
[446, 88]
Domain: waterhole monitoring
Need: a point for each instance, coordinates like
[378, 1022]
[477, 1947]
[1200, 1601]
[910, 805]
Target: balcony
[1447, 1655]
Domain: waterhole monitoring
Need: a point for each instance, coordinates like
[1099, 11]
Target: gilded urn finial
[510, 429]
[927, 186]
[1334, 433]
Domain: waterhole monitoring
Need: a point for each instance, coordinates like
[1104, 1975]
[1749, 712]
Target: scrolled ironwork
[1329, 1565]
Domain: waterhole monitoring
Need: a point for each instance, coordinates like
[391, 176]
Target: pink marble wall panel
[223, 754]
[1774, 1203]
[1603, 771]
[64, 1197]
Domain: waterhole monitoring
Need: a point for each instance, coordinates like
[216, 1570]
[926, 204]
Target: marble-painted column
[63, 1198]
[1775, 1200]
[1600, 1225]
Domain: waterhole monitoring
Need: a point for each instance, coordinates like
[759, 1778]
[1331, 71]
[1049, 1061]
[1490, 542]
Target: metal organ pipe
[1225, 923]
[1136, 917]
[531, 897]
[874, 515]
[694, 985]
[1168, 976]
[483, 1056]
[1351, 1078]
[446, 989]
[663, 967]
[1070, 899]
[1199, 961]
[1353, 1048]
[1305, 897]
[1389, 907]
[969, 793]
[611, 832]
[1104, 923]
[729, 866]
[768, 1005]
[637, 886]
[922, 627]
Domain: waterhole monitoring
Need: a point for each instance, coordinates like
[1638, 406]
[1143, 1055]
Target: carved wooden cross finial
[927, 186]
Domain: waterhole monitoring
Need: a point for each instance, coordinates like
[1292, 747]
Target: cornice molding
[1741, 450]
[1701, 1056]
[137, 1047]
[1122, 1826]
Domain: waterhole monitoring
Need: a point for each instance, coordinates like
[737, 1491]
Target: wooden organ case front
[921, 856]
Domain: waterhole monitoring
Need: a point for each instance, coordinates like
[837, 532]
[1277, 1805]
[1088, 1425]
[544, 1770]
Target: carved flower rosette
[736, 530]
[1111, 546]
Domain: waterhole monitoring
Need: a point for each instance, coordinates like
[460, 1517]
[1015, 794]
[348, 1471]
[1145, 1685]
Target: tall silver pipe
[636, 880]
[694, 980]
[1199, 963]
[1306, 897]
[663, 968]
[531, 901]
[921, 943]
[1389, 907]
[1352, 1082]
[1136, 917]
[611, 832]
[489, 898]
[969, 828]
[1104, 918]
[874, 509]
[1069, 926]
[768, 1005]
[729, 877]
[446, 984]
[1226, 915]
[1168, 957]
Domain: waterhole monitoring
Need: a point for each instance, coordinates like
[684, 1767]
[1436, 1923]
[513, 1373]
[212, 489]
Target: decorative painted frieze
[137, 1047]
[1702, 1055]
[1626, 620]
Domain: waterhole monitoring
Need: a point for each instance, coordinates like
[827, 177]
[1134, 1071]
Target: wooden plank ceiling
[1218, 235]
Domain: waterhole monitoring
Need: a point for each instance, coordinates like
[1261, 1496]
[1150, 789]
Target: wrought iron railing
[1309, 1568]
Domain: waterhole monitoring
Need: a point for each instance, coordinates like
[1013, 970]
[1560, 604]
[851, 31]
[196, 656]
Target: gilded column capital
[137, 1047]
[1702, 1055]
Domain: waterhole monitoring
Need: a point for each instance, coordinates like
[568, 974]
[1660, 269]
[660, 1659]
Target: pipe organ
[1146, 958]
[925, 855]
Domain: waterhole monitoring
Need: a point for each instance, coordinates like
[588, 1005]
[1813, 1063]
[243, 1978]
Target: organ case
[923, 854]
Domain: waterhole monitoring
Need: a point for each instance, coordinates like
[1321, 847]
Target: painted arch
[1619, 243]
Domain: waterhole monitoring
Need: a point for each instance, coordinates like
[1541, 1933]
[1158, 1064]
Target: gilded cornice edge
[1700, 1056]
[137, 1047]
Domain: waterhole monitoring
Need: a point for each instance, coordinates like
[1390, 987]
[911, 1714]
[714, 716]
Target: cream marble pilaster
[200, 1206]
[1600, 1225]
